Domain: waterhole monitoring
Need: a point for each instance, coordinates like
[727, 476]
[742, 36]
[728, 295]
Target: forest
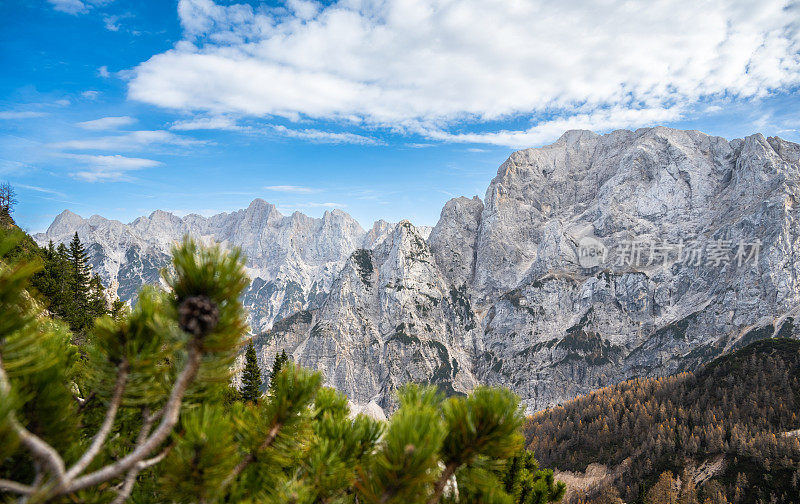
[653, 434]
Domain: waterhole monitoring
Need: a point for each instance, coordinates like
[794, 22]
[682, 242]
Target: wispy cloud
[207, 123]
[323, 205]
[23, 114]
[319, 136]
[90, 94]
[107, 123]
[292, 189]
[131, 141]
[73, 7]
[41, 190]
[101, 168]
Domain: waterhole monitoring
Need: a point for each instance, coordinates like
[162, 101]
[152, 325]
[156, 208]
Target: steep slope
[734, 421]
[390, 318]
[556, 326]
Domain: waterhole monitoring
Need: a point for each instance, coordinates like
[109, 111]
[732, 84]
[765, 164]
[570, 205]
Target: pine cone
[198, 315]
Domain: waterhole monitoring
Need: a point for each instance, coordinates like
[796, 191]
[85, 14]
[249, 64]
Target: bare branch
[105, 428]
[17, 488]
[130, 478]
[169, 418]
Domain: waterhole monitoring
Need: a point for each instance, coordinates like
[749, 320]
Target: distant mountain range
[589, 261]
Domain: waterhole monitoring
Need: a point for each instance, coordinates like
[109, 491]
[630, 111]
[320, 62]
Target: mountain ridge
[499, 291]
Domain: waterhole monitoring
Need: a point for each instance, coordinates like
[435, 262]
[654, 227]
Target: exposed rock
[556, 284]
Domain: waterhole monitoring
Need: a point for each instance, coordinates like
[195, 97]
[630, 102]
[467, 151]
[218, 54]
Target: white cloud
[130, 141]
[109, 168]
[76, 7]
[291, 189]
[27, 114]
[107, 123]
[207, 123]
[111, 23]
[318, 136]
[436, 65]
[73, 7]
[103, 72]
[90, 94]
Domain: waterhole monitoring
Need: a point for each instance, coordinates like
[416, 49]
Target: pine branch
[438, 488]
[38, 447]
[130, 478]
[105, 428]
[250, 457]
[169, 418]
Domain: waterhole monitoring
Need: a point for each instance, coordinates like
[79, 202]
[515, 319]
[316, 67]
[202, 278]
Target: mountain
[733, 423]
[592, 260]
[291, 259]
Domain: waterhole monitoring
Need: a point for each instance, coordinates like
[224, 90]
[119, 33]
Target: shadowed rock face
[503, 291]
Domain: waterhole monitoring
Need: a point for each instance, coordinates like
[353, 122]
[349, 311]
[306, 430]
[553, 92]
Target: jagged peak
[260, 205]
[162, 215]
[66, 221]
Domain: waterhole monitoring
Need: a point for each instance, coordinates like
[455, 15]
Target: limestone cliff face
[390, 318]
[555, 328]
[591, 260]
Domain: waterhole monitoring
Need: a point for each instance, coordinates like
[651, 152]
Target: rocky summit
[592, 260]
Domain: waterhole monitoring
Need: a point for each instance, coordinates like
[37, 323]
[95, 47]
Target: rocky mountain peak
[65, 222]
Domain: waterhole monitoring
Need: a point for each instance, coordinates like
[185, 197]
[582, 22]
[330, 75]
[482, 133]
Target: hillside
[735, 421]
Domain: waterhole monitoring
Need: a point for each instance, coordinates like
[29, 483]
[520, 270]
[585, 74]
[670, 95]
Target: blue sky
[383, 108]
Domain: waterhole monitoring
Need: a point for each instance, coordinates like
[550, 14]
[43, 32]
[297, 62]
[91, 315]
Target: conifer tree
[251, 376]
[527, 484]
[277, 365]
[78, 281]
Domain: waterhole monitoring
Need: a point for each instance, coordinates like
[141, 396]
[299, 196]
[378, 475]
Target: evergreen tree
[98, 304]
[251, 376]
[80, 271]
[277, 365]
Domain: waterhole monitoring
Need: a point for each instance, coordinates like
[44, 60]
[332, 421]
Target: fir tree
[277, 365]
[251, 376]
[80, 270]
